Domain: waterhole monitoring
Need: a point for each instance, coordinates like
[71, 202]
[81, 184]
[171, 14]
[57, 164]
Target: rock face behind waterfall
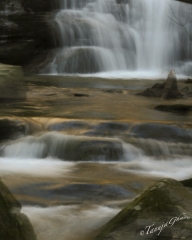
[13, 224]
[167, 204]
[167, 90]
[25, 29]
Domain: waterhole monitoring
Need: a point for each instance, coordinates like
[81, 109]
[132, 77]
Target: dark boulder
[161, 212]
[11, 129]
[187, 182]
[13, 224]
[188, 81]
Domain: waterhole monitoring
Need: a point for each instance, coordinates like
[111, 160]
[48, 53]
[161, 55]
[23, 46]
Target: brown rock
[166, 90]
[171, 89]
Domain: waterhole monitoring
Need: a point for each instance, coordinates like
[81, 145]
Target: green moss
[159, 203]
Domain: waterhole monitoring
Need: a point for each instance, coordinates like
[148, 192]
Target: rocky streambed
[82, 156]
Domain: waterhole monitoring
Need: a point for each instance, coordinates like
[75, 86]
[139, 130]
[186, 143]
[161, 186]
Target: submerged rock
[177, 108]
[167, 90]
[13, 224]
[161, 212]
[12, 83]
[162, 132]
[77, 192]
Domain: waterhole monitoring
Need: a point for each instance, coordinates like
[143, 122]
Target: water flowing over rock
[115, 35]
[65, 147]
[161, 212]
[122, 36]
[14, 225]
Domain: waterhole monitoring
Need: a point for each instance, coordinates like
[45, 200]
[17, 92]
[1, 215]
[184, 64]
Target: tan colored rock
[12, 83]
[171, 89]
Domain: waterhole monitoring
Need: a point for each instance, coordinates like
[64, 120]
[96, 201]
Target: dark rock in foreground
[13, 224]
[167, 90]
[162, 212]
[187, 182]
[189, 81]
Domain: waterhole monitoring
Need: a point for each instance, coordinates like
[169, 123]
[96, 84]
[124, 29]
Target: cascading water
[112, 35]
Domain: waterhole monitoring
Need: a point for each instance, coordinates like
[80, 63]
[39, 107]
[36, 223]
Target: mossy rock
[12, 83]
[159, 205]
[13, 224]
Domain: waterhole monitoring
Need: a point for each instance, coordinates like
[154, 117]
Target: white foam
[68, 222]
[179, 169]
[35, 167]
[128, 75]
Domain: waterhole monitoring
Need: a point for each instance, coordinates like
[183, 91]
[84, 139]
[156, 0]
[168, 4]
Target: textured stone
[12, 83]
[13, 224]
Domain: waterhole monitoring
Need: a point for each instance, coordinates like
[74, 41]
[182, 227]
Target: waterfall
[123, 35]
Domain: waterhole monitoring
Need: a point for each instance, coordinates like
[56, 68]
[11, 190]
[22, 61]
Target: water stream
[72, 184]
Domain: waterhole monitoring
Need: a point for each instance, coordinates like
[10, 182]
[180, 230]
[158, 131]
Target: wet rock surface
[161, 132]
[167, 90]
[25, 28]
[14, 128]
[164, 208]
[14, 225]
[72, 193]
[12, 83]
[175, 108]
[66, 147]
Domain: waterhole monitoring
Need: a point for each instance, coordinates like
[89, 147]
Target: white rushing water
[125, 38]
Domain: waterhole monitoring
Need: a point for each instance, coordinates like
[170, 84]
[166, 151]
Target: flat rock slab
[12, 83]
